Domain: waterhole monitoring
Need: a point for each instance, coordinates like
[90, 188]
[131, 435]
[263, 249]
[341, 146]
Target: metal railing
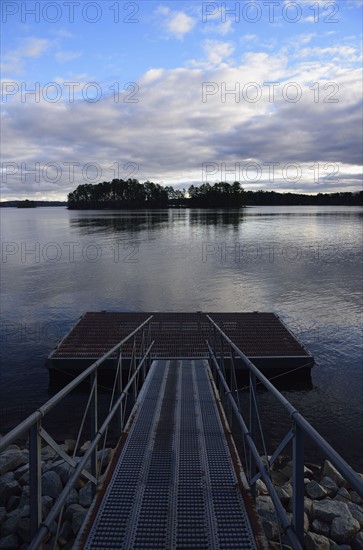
[217, 343]
[139, 364]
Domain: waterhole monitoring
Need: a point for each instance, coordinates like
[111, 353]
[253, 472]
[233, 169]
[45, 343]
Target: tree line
[131, 193]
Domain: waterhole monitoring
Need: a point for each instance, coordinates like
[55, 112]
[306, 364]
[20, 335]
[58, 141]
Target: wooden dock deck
[262, 337]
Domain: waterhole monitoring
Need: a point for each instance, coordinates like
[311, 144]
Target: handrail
[339, 462]
[44, 409]
[45, 525]
[300, 427]
[139, 363]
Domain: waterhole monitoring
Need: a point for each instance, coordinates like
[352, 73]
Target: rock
[47, 503]
[65, 533]
[329, 485]
[51, 484]
[72, 497]
[270, 529]
[48, 453]
[343, 529]
[331, 471]
[357, 512]
[354, 497]
[85, 495]
[335, 546]
[3, 515]
[63, 469]
[8, 488]
[69, 445]
[283, 495]
[11, 459]
[19, 472]
[261, 487]
[72, 509]
[86, 445]
[342, 495]
[23, 529]
[77, 521]
[320, 527]
[9, 525]
[313, 541]
[12, 503]
[315, 491]
[25, 496]
[10, 542]
[357, 542]
[327, 510]
[308, 504]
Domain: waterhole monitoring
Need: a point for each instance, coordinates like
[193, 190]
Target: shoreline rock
[333, 518]
[14, 494]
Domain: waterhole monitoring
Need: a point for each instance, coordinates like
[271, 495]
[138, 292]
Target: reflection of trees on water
[143, 220]
[216, 217]
[116, 222]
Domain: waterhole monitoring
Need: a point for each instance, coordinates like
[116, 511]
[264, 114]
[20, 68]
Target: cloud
[63, 56]
[176, 23]
[172, 131]
[32, 48]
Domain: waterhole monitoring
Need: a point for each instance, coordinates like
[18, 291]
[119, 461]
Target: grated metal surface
[174, 486]
[179, 334]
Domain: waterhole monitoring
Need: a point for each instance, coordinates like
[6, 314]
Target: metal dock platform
[262, 337]
[175, 484]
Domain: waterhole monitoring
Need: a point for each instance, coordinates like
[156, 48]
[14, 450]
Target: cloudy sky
[264, 92]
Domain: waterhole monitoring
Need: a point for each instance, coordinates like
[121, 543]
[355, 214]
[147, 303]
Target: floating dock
[262, 337]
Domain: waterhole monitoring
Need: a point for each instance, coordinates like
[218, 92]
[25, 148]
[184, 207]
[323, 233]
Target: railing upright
[298, 481]
[35, 478]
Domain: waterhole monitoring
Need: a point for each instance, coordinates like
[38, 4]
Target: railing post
[94, 425]
[298, 482]
[252, 469]
[35, 479]
[120, 426]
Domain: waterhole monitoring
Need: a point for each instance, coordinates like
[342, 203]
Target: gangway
[175, 485]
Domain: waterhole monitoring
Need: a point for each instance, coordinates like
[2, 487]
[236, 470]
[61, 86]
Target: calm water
[302, 262]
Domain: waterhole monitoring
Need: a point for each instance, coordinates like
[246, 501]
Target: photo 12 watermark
[69, 92]
[67, 172]
[271, 172]
[269, 91]
[71, 252]
[70, 12]
[270, 252]
[271, 11]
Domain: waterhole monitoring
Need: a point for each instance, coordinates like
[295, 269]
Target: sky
[266, 92]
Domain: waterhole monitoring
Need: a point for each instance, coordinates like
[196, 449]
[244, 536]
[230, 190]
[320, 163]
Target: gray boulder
[357, 512]
[8, 487]
[23, 529]
[313, 541]
[77, 521]
[11, 459]
[343, 529]
[315, 491]
[51, 484]
[329, 485]
[327, 510]
[357, 542]
[10, 542]
[331, 471]
[320, 527]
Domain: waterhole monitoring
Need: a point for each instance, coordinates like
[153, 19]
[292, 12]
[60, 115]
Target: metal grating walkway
[174, 486]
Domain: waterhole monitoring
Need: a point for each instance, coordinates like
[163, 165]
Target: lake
[304, 263]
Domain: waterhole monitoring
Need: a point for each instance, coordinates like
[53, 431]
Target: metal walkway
[175, 485]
